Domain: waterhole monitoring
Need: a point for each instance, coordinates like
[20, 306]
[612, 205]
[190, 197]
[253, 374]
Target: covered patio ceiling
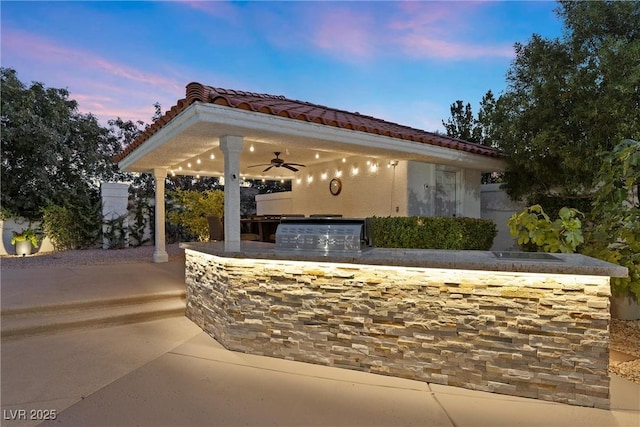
[185, 141]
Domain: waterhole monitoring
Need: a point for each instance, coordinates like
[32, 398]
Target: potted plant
[24, 241]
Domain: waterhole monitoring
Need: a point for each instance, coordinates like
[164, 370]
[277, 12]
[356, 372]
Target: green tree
[614, 234]
[464, 125]
[51, 154]
[569, 99]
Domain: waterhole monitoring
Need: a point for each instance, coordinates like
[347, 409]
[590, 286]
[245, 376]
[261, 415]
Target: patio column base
[160, 256]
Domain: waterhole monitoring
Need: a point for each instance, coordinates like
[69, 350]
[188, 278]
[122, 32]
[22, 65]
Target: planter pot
[23, 248]
[625, 308]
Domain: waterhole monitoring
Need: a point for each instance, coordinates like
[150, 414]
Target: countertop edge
[575, 264]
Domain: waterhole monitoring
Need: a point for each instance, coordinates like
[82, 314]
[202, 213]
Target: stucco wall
[404, 190]
[366, 190]
[498, 207]
[274, 203]
[534, 335]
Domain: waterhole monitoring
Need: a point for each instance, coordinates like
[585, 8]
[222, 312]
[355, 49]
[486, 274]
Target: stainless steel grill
[324, 235]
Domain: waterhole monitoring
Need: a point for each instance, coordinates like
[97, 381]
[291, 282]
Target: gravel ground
[625, 338]
[89, 256]
[625, 335]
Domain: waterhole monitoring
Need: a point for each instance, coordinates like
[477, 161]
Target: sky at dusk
[405, 62]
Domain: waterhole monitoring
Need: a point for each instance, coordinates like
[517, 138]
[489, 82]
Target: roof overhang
[188, 144]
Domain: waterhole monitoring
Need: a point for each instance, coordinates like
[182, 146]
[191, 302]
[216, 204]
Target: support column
[231, 146]
[160, 254]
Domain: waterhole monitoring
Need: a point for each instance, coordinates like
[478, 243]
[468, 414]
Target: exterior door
[445, 200]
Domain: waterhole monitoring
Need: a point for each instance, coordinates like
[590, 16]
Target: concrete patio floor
[168, 372]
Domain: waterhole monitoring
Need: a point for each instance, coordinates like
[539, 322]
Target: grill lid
[323, 235]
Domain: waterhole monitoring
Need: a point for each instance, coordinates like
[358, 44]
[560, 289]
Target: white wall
[471, 191]
[421, 186]
[404, 190]
[366, 190]
[274, 203]
[498, 207]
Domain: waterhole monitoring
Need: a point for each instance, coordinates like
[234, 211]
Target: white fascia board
[178, 124]
[260, 121]
[253, 122]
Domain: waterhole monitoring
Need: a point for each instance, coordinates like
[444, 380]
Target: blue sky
[404, 62]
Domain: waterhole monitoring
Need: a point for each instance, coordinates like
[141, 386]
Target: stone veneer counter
[427, 258]
[472, 319]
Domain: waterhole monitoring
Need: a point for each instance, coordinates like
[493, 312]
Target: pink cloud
[103, 87]
[433, 30]
[220, 9]
[420, 45]
[346, 33]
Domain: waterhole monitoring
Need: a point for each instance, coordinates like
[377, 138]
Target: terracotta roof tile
[303, 111]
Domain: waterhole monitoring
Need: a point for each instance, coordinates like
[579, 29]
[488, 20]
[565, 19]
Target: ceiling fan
[278, 162]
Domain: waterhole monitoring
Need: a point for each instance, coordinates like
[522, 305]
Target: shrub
[192, 208]
[141, 217]
[533, 227]
[72, 227]
[614, 234]
[433, 233]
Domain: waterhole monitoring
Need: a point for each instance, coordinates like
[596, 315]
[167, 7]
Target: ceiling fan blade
[288, 166]
[296, 164]
[267, 168]
[255, 166]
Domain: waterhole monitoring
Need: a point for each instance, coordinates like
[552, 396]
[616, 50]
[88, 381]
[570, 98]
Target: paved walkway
[167, 372]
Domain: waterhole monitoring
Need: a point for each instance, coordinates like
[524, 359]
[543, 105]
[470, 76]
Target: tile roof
[304, 111]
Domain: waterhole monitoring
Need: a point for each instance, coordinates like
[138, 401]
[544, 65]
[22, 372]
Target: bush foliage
[433, 233]
[192, 208]
[614, 231]
[72, 227]
[534, 228]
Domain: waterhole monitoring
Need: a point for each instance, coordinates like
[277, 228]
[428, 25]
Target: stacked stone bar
[534, 335]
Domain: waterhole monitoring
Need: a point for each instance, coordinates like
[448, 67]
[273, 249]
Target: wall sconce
[323, 176]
